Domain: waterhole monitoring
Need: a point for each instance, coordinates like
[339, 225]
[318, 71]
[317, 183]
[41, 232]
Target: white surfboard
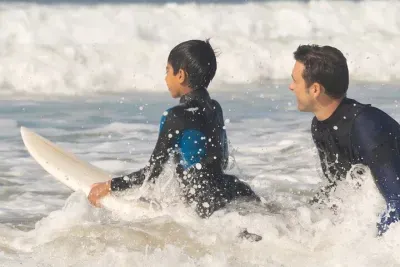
[69, 169]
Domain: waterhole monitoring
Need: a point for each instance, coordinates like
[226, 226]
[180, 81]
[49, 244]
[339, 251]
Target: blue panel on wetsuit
[192, 145]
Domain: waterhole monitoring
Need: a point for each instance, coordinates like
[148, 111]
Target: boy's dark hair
[197, 59]
[325, 65]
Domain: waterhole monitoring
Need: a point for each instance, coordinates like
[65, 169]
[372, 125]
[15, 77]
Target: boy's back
[192, 135]
[202, 138]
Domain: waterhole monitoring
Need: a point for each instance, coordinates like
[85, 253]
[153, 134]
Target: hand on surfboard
[98, 191]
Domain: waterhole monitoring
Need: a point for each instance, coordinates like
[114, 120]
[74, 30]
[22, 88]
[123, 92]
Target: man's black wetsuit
[193, 135]
[362, 134]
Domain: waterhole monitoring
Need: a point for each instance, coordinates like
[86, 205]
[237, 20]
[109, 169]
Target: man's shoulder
[372, 115]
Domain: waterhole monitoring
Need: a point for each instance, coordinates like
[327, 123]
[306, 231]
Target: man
[345, 131]
[192, 136]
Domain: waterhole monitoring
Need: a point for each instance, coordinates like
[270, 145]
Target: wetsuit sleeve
[225, 154]
[223, 138]
[321, 154]
[375, 141]
[325, 190]
[170, 128]
[322, 161]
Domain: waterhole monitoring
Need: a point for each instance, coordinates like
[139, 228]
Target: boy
[192, 135]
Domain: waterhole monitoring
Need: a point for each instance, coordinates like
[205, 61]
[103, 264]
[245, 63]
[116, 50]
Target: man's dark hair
[197, 59]
[325, 65]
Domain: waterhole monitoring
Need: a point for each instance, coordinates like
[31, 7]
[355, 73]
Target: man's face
[305, 101]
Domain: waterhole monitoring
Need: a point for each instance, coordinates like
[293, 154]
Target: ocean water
[43, 223]
[90, 78]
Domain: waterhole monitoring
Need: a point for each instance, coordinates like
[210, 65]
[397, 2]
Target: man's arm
[324, 191]
[375, 141]
[321, 154]
[321, 195]
[171, 126]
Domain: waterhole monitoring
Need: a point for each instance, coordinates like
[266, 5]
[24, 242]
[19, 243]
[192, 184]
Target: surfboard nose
[28, 136]
[24, 132]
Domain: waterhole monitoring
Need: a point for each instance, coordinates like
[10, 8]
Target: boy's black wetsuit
[193, 135]
[362, 134]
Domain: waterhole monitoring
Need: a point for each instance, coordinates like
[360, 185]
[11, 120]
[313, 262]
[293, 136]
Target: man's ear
[316, 89]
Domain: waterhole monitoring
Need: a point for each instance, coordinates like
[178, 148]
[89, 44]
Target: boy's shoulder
[180, 110]
[195, 107]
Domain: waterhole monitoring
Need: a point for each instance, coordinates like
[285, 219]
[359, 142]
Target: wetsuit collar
[340, 112]
[199, 95]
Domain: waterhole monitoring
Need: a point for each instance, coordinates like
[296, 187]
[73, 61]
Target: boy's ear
[182, 76]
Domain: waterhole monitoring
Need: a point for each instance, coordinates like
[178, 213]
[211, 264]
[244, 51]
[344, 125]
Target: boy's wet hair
[325, 65]
[197, 58]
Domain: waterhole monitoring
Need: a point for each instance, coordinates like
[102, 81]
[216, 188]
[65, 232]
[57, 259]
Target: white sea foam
[72, 49]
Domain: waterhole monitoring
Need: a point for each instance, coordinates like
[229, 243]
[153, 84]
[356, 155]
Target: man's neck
[326, 108]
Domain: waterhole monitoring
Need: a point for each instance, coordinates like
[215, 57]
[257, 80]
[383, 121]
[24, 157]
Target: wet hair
[325, 65]
[197, 58]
